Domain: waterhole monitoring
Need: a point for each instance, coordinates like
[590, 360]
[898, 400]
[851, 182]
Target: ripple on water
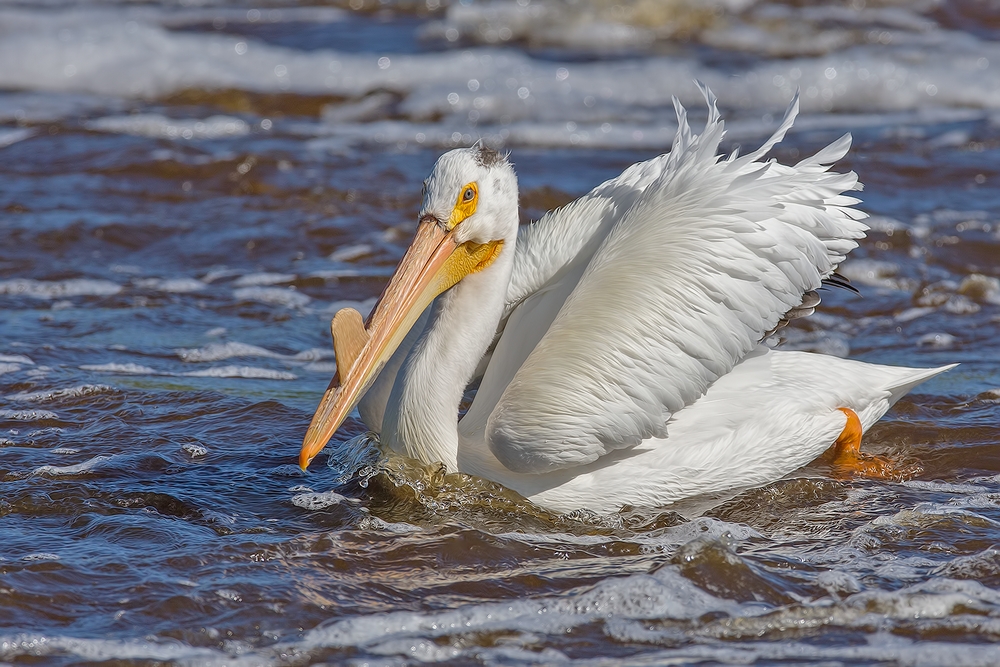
[76, 469]
[127, 369]
[251, 372]
[205, 192]
[65, 395]
[273, 296]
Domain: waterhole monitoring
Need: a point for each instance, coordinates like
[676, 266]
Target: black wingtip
[841, 282]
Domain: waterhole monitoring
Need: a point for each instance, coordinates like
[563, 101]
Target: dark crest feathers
[487, 157]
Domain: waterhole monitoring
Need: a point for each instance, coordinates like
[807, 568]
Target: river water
[190, 190]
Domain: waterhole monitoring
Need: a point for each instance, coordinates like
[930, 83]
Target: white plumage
[626, 367]
[773, 413]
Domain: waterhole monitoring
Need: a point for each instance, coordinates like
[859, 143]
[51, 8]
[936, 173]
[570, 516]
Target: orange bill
[434, 262]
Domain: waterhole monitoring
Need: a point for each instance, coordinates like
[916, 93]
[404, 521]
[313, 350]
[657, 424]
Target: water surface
[188, 192]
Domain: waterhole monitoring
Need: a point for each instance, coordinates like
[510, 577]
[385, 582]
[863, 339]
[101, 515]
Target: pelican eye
[465, 206]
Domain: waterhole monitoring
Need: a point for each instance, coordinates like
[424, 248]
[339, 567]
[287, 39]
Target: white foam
[663, 595]
[456, 132]
[314, 354]
[421, 650]
[595, 26]
[914, 313]
[881, 648]
[36, 107]
[324, 367]
[397, 527]
[10, 137]
[926, 515]
[58, 289]
[272, 296]
[539, 539]
[981, 288]
[16, 359]
[936, 598]
[78, 469]
[27, 415]
[939, 340]
[220, 351]
[973, 566]
[229, 594]
[256, 279]
[190, 13]
[59, 394]
[838, 582]
[707, 527]
[317, 501]
[348, 252]
[335, 274]
[665, 541]
[209, 353]
[126, 369]
[219, 274]
[193, 450]
[958, 304]
[945, 218]
[885, 224]
[172, 285]
[616, 102]
[160, 126]
[11, 363]
[249, 372]
[102, 650]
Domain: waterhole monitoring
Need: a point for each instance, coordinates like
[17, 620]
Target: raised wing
[573, 233]
[698, 259]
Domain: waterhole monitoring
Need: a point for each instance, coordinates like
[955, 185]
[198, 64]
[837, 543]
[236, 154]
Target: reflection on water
[187, 195]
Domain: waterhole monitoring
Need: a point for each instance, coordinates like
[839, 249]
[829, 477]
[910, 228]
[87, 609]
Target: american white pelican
[618, 338]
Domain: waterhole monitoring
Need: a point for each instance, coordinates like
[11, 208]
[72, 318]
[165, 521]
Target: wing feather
[676, 271]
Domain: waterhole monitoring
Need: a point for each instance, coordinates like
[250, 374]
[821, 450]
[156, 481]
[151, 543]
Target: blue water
[164, 342]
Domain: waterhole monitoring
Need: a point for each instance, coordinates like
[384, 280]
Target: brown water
[164, 340]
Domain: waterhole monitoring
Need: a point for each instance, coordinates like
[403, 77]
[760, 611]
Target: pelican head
[468, 213]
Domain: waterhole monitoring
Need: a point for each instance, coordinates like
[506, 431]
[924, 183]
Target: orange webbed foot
[847, 460]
